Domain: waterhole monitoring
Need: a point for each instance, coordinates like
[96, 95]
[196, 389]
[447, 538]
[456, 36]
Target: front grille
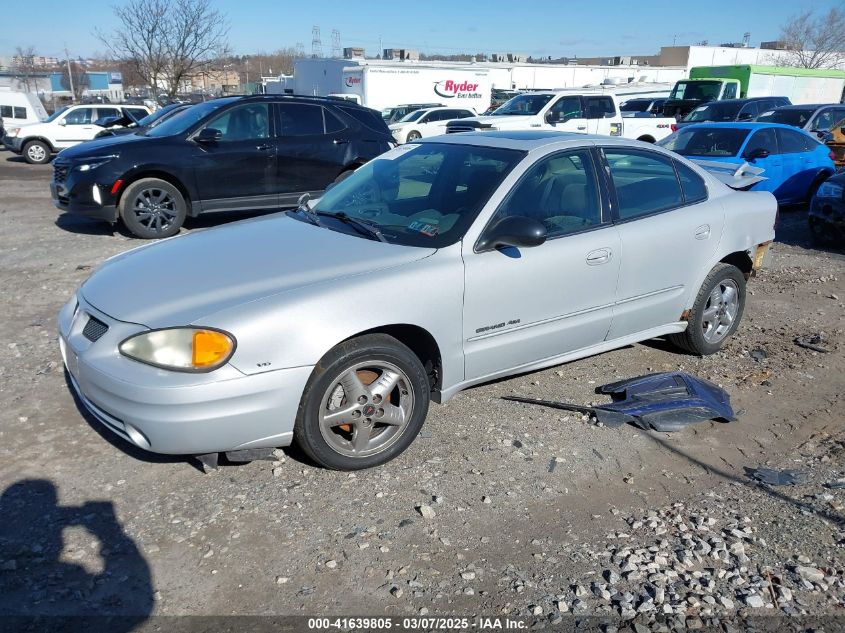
[60, 172]
[94, 329]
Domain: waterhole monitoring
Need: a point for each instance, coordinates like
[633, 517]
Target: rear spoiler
[740, 177]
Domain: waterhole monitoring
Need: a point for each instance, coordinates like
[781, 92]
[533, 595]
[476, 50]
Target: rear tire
[36, 152]
[363, 405]
[152, 208]
[716, 313]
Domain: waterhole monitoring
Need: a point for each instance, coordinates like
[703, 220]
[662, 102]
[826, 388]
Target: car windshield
[150, 119]
[420, 194]
[788, 116]
[56, 114]
[706, 141]
[714, 112]
[701, 90]
[413, 116]
[183, 121]
[523, 105]
[635, 105]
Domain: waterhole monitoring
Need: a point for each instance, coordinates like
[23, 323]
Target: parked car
[827, 212]
[817, 118]
[588, 112]
[426, 122]
[643, 106]
[128, 125]
[794, 162]
[396, 113]
[731, 110]
[229, 154]
[66, 127]
[434, 267]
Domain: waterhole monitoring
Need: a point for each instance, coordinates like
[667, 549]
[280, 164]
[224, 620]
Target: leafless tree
[79, 84]
[24, 68]
[814, 39]
[167, 41]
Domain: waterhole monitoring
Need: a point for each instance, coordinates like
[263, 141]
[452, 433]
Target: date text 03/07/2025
[416, 623]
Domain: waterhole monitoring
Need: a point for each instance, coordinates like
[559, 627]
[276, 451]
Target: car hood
[183, 279]
[104, 145]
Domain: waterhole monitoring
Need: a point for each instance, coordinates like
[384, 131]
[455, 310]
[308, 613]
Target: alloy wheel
[721, 310]
[366, 409]
[36, 153]
[155, 209]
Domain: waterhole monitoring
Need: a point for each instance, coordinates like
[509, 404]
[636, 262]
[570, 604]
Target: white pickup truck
[567, 111]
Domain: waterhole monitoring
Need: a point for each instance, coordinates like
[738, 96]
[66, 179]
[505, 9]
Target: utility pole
[70, 76]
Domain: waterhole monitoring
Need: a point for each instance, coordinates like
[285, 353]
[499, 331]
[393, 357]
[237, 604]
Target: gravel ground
[498, 508]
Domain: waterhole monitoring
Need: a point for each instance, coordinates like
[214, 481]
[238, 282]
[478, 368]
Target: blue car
[794, 163]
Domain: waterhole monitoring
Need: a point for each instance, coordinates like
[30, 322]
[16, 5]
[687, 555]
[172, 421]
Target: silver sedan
[437, 266]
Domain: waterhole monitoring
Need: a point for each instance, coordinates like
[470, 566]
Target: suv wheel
[716, 313]
[413, 135]
[152, 208]
[36, 152]
[364, 404]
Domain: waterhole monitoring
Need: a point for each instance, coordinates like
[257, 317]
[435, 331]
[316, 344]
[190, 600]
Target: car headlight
[830, 190]
[191, 349]
[92, 163]
[12, 132]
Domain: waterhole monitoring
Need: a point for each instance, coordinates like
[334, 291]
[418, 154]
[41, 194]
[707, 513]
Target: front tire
[413, 135]
[36, 152]
[716, 313]
[153, 208]
[364, 404]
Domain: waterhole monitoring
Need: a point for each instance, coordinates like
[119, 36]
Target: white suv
[66, 127]
[426, 122]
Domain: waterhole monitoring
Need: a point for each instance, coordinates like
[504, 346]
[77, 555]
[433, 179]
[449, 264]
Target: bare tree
[75, 79]
[24, 68]
[814, 40]
[167, 41]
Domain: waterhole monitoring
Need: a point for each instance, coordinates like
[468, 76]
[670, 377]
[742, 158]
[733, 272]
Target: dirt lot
[537, 514]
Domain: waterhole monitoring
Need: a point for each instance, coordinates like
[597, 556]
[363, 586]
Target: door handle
[340, 141]
[582, 127]
[702, 232]
[263, 147]
[599, 256]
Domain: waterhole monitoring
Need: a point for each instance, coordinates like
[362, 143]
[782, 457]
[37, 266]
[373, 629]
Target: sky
[535, 27]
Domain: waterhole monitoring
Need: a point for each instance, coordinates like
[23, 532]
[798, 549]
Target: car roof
[525, 140]
[739, 125]
[806, 106]
[740, 101]
[298, 99]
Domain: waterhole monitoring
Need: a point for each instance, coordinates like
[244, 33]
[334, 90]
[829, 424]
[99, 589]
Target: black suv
[728, 110]
[230, 154]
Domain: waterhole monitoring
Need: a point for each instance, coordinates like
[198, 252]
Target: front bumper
[827, 218]
[174, 412]
[74, 192]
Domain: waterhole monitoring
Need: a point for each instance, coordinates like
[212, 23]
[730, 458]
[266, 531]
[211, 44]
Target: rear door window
[795, 142]
[645, 183]
[299, 119]
[599, 107]
[692, 185]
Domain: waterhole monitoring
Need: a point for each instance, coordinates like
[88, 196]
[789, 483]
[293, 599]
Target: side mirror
[515, 230]
[757, 153]
[744, 116]
[208, 135]
[551, 117]
[62, 122]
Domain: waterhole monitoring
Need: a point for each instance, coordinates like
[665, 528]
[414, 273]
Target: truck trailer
[715, 83]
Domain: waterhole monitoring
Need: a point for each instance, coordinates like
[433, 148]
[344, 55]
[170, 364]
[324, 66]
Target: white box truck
[382, 87]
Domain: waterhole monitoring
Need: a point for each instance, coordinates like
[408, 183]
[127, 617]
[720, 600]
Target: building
[401, 54]
[690, 56]
[36, 61]
[48, 85]
[353, 52]
[213, 81]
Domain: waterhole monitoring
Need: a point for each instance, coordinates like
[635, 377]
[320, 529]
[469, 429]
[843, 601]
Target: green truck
[715, 83]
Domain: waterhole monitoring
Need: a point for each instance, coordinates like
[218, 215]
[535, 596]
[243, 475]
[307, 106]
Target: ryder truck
[381, 87]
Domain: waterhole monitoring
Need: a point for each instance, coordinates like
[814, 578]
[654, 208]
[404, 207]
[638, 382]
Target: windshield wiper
[363, 226]
[304, 209]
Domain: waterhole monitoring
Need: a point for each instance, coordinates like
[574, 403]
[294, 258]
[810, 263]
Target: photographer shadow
[41, 585]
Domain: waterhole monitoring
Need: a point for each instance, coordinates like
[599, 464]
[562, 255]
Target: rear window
[635, 105]
[705, 141]
[714, 112]
[691, 184]
[599, 107]
[791, 116]
[368, 118]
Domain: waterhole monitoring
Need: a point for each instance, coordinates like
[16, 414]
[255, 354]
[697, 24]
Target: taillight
[831, 155]
[674, 127]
